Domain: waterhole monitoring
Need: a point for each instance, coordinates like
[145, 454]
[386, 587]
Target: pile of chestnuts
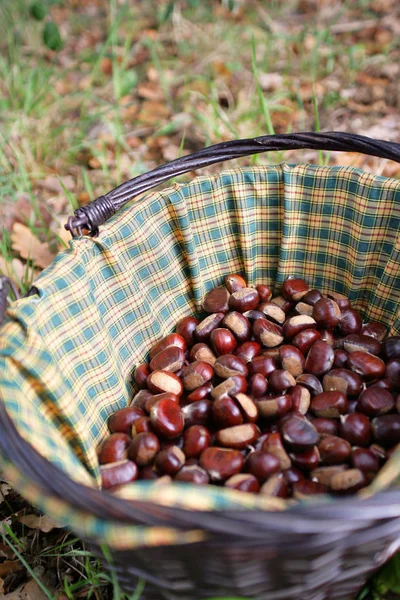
[285, 396]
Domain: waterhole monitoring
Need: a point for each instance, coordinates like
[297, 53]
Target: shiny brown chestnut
[192, 474]
[301, 398]
[356, 429]
[386, 430]
[229, 387]
[367, 365]
[393, 372]
[167, 418]
[375, 401]
[298, 434]
[262, 464]
[391, 347]
[340, 358]
[247, 407]
[292, 359]
[229, 365]
[143, 449]
[294, 289]
[197, 413]
[170, 460]
[207, 325]
[263, 365]
[245, 482]
[348, 481]
[275, 486]
[374, 329]
[196, 439]
[341, 300]
[343, 380]
[118, 473]
[173, 339]
[312, 297]
[141, 373]
[324, 474]
[234, 283]
[329, 404]
[244, 299]
[196, 374]
[356, 342]
[305, 339]
[239, 325]
[164, 381]
[350, 321]
[201, 392]
[334, 450]
[326, 313]
[311, 382]
[274, 445]
[122, 420]
[114, 448]
[187, 329]
[221, 463]
[280, 380]
[267, 333]
[365, 460]
[327, 426]
[272, 312]
[237, 437]
[202, 353]
[294, 325]
[274, 406]
[226, 412]
[216, 300]
[264, 292]
[307, 460]
[248, 350]
[170, 359]
[257, 385]
[223, 341]
[305, 487]
[319, 358]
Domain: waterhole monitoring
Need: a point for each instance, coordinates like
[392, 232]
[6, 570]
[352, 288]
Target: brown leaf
[28, 246]
[52, 183]
[152, 112]
[27, 591]
[43, 522]
[6, 552]
[10, 566]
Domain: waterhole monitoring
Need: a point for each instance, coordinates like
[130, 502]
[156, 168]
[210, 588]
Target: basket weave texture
[67, 355]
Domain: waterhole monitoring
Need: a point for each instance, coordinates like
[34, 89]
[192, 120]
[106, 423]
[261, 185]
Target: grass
[138, 84]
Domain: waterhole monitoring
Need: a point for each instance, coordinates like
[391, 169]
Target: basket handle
[96, 213]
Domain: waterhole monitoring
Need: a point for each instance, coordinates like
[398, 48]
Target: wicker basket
[68, 350]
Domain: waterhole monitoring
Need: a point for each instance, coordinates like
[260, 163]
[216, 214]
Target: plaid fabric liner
[67, 355]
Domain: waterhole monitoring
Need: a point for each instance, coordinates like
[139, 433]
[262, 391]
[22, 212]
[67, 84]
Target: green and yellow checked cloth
[67, 355]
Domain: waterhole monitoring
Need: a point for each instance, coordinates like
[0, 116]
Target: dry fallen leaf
[5, 552]
[27, 591]
[10, 566]
[55, 184]
[44, 523]
[28, 246]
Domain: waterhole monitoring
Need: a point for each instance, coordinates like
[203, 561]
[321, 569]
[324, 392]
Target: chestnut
[374, 329]
[334, 450]
[262, 464]
[272, 312]
[274, 406]
[228, 365]
[118, 473]
[326, 313]
[141, 373]
[196, 440]
[170, 359]
[361, 343]
[173, 339]
[391, 347]
[285, 305]
[325, 425]
[294, 289]
[350, 321]
[301, 398]
[324, 474]
[238, 437]
[263, 365]
[226, 412]
[343, 380]
[319, 358]
[239, 325]
[365, 460]
[367, 365]
[329, 404]
[267, 333]
[229, 387]
[164, 381]
[167, 418]
[307, 460]
[121, 421]
[348, 481]
[247, 406]
[207, 325]
[144, 448]
[273, 444]
[312, 297]
[202, 353]
[264, 292]
[305, 339]
[201, 392]
[356, 429]
[292, 359]
[216, 300]
[393, 372]
[223, 341]
[305, 487]
[221, 463]
[196, 374]
[192, 474]
[139, 400]
[187, 329]
[234, 283]
[244, 299]
[257, 386]
[248, 350]
[197, 413]
[245, 482]
[340, 358]
[375, 401]
[280, 380]
[310, 382]
[294, 325]
[386, 430]
[341, 300]
[275, 486]
[114, 448]
[299, 434]
[170, 460]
